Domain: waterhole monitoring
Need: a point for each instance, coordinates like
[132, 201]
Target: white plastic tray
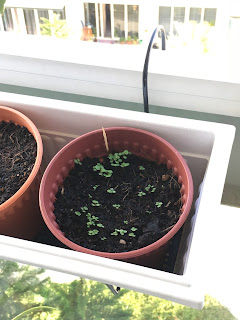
[206, 148]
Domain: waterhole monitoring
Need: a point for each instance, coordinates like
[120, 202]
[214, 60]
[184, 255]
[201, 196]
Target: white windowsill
[178, 80]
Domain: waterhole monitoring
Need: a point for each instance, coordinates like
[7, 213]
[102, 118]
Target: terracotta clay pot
[140, 143]
[20, 215]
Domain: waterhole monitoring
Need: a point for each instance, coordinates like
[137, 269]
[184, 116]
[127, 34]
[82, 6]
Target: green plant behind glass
[58, 28]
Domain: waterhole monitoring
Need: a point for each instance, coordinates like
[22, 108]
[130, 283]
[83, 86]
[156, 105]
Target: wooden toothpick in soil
[105, 139]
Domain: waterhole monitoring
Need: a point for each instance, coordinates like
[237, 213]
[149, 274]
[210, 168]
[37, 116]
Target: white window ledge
[176, 79]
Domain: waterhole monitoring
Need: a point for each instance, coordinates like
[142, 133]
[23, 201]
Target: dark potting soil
[18, 153]
[125, 210]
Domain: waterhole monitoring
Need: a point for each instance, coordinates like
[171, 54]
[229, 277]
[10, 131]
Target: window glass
[195, 14]
[165, 18]
[61, 14]
[43, 14]
[30, 21]
[133, 21]
[7, 20]
[210, 16]
[90, 16]
[119, 22]
[107, 20]
[178, 20]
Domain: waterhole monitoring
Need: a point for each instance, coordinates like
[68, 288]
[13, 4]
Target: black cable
[145, 68]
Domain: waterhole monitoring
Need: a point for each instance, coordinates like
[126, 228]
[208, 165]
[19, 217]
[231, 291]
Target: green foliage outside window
[2, 2]
[58, 28]
[27, 294]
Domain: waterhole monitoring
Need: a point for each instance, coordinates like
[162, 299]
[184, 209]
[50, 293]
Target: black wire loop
[145, 68]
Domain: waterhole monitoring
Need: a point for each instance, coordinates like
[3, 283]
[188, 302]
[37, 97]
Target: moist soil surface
[17, 157]
[130, 208]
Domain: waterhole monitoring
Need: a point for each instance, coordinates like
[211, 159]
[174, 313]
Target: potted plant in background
[122, 40]
[135, 40]
[21, 156]
[129, 40]
[121, 142]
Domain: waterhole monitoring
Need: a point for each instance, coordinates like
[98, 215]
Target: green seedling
[116, 206]
[95, 203]
[103, 238]
[125, 221]
[93, 232]
[148, 211]
[102, 171]
[150, 188]
[84, 209]
[96, 186]
[121, 231]
[116, 159]
[90, 223]
[77, 213]
[111, 190]
[91, 220]
[133, 229]
[131, 234]
[141, 168]
[100, 225]
[118, 231]
[77, 161]
[141, 193]
[124, 164]
[89, 196]
[158, 204]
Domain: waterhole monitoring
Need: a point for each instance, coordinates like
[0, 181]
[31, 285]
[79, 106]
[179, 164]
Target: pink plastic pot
[140, 143]
[20, 215]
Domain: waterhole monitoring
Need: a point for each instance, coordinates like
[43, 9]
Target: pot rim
[34, 131]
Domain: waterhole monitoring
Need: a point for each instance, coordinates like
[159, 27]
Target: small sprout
[108, 174]
[131, 234]
[121, 231]
[102, 171]
[95, 203]
[148, 211]
[133, 229]
[158, 204]
[103, 238]
[84, 209]
[96, 186]
[116, 159]
[150, 188]
[77, 161]
[100, 225]
[116, 206]
[124, 164]
[125, 221]
[77, 213]
[141, 168]
[97, 167]
[94, 218]
[89, 196]
[90, 223]
[141, 193]
[93, 232]
[111, 190]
